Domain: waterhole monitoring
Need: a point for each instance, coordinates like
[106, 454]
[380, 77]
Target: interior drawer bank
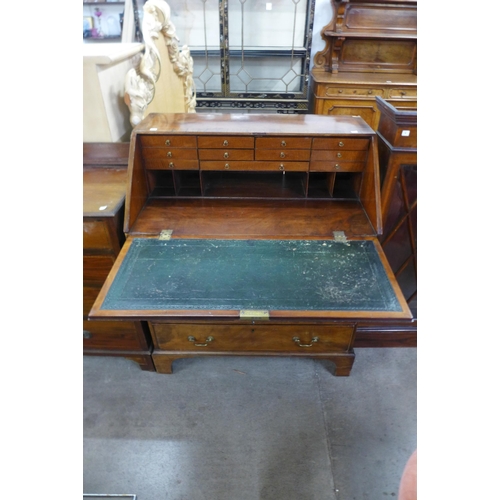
[258, 267]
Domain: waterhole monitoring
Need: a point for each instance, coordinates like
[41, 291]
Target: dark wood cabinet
[370, 50]
[252, 235]
[104, 188]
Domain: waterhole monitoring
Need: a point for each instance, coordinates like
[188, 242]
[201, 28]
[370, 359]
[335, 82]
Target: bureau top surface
[254, 124]
[103, 191]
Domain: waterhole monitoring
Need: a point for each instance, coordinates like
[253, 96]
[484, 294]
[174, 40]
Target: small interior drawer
[171, 153]
[297, 166]
[353, 92]
[340, 166]
[282, 154]
[252, 337]
[283, 142]
[340, 144]
[404, 93]
[171, 164]
[175, 141]
[226, 154]
[217, 142]
[339, 155]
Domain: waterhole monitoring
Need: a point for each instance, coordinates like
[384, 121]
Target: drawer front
[340, 144]
[96, 236]
[273, 338]
[113, 335]
[296, 166]
[410, 93]
[285, 154]
[333, 166]
[283, 142]
[352, 92]
[174, 141]
[171, 164]
[226, 154]
[96, 268]
[171, 153]
[339, 155]
[90, 294]
[231, 142]
[366, 109]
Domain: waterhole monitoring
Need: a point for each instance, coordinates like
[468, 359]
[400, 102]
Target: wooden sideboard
[370, 50]
[252, 235]
[104, 186]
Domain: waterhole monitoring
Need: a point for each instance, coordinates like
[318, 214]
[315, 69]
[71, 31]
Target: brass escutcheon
[169, 154]
[225, 143]
[283, 143]
[167, 142]
[282, 155]
[341, 144]
[282, 167]
[171, 165]
[339, 155]
[226, 155]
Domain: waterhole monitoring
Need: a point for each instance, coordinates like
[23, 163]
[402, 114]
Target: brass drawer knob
[226, 155]
[341, 144]
[370, 91]
[226, 166]
[225, 143]
[298, 342]
[282, 167]
[340, 91]
[339, 155]
[337, 166]
[282, 155]
[283, 143]
[87, 334]
[403, 92]
[169, 154]
[207, 341]
[171, 165]
[167, 142]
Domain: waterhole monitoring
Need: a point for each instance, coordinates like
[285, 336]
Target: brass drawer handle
[207, 341]
[297, 341]
[337, 166]
[169, 154]
[171, 165]
[87, 334]
[167, 142]
[339, 155]
[282, 155]
[341, 144]
[370, 91]
[225, 143]
[282, 167]
[283, 143]
[226, 166]
[226, 155]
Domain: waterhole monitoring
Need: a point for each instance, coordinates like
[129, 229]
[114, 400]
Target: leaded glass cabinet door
[252, 54]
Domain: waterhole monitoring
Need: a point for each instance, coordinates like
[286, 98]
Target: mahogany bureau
[252, 235]
[103, 207]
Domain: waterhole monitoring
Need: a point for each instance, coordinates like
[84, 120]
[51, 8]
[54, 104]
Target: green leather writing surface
[251, 274]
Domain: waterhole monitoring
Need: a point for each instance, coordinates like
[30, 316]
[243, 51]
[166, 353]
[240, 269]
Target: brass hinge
[166, 234]
[340, 237]
[254, 314]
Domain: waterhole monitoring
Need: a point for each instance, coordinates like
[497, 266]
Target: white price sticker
[405, 133]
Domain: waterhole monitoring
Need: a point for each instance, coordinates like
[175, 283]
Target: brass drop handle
[169, 154]
[171, 165]
[282, 167]
[87, 334]
[226, 166]
[225, 143]
[313, 340]
[282, 155]
[167, 142]
[339, 155]
[283, 143]
[226, 155]
[207, 341]
[341, 144]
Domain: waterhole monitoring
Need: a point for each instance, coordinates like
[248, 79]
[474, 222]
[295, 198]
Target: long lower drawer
[251, 337]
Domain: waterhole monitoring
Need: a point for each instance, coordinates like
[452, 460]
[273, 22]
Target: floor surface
[250, 428]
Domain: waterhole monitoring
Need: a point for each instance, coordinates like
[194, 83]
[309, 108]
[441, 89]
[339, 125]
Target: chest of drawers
[103, 208]
[263, 244]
